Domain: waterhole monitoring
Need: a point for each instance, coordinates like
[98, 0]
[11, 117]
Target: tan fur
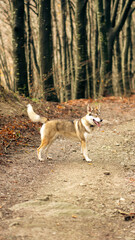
[77, 129]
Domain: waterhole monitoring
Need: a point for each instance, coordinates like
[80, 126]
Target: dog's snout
[101, 120]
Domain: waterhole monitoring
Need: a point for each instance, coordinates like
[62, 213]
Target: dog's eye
[89, 114]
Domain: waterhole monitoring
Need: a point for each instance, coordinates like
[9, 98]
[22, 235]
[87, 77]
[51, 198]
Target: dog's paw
[49, 157]
[41, 159]
[88, 160]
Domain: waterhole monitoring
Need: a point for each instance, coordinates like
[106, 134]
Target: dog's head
[93, 115]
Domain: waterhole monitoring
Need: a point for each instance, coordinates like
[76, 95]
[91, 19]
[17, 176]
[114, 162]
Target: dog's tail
[33, 116]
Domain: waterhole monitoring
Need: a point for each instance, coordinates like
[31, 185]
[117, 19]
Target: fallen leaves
[14, 132]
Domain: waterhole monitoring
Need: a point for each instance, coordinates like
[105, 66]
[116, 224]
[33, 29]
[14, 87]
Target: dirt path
[67, 198]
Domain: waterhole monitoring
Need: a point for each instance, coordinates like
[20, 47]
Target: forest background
[67, 49]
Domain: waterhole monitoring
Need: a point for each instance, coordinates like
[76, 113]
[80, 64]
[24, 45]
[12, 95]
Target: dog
[78, 129]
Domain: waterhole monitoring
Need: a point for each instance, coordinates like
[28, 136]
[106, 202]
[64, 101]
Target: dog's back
[61, 127]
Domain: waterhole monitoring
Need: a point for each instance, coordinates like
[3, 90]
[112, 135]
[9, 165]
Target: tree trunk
[18, 40]
[117, 76]
[71, 49]
[57, 52]
[64, 47]
[95, 57]
[103, 46]
[4, 65]
[47, 90]
[29, 59]
[81, 48]
[125, 74]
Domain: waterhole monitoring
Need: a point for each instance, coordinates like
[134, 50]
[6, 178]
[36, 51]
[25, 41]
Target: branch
[114, 12]
[32, 6]
[33, 11]
[131, 11]
[35, 3]
[123, 17]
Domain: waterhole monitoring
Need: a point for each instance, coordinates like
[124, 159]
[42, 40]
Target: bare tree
[109, 28]
[4, 65]
[81, 49]
[18, 41]
[125, 72]
[45, 51]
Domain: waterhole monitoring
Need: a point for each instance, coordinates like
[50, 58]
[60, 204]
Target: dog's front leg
[84, 151]
[47, 149]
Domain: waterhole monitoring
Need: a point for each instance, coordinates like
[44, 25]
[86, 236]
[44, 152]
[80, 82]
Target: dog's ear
[89, 108]
[98, 109]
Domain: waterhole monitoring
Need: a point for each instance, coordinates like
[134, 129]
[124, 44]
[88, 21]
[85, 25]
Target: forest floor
[67, 198]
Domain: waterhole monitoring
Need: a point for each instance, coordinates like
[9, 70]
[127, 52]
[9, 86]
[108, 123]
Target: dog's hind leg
[84, 151]
[44, 144]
